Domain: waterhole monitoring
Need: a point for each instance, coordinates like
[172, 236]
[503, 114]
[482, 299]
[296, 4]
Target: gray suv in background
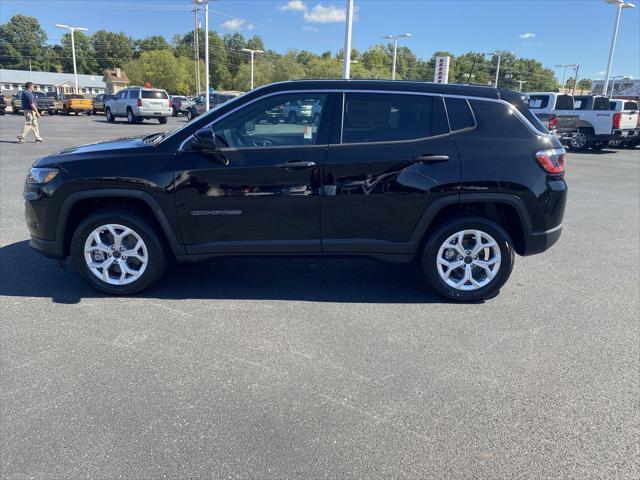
[139, 103]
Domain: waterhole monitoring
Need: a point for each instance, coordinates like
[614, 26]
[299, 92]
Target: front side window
[278, 121]
[630, 106]
[379, 117]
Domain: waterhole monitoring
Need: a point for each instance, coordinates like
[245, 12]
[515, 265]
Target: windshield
[39, 94]
[71, 97]
[209, 114]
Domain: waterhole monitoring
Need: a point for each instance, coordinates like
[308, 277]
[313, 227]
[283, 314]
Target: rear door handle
[297, 165]
[430, 158]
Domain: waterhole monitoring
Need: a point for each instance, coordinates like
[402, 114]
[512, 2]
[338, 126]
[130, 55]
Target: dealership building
[627, 88]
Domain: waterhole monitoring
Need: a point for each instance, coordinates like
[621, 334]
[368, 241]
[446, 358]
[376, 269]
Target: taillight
[170, 103]
[552, 160]
[616, 120]
[139, 102]
[553, 123]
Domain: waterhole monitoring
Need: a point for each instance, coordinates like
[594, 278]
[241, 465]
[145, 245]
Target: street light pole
[206, 49]
[73, 49]
[495, 85]
[346, 70]
[575, 80]
[520, 82]
[252, 53]
[564, 75]
[196, 47]
[620, 4]
[395, 50]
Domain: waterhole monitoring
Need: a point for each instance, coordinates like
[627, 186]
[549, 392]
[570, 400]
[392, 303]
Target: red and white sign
[442, 70]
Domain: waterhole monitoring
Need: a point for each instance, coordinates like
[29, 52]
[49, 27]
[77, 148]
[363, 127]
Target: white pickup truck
[598, 123]
[555, 111]
[628, 111]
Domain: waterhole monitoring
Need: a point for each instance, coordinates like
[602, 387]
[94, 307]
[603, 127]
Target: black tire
[65, 111]
[131, 117]
[174, 113]
[16, 111]
[156, 250]
[292, 118]
[162, 120]
[438, 237]
[109, 115]
[189, 115]
[582, 141]
[52, 112]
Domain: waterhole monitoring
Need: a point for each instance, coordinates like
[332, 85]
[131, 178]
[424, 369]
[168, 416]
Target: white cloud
[322, 14]
[309, 28]
[237, 24]
[294, 5]
[528, 35]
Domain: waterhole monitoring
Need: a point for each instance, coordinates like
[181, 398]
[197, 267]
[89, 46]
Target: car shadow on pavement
[25, 273]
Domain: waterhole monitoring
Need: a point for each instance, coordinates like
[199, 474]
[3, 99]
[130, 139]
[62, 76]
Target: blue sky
[553, 31]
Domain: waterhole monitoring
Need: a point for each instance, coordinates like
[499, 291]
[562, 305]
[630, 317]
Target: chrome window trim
[344, 91]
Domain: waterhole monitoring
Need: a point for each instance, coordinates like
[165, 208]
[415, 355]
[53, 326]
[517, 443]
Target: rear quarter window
[564, 102]
[500, 120]
[601, 103]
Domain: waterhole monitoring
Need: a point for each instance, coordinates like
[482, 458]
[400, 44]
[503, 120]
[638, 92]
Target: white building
[12, 81]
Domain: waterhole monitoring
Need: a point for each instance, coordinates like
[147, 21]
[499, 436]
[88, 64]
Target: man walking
[31, 114]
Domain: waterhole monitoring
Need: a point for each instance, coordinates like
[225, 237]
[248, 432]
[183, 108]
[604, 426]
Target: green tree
[234, 43]
[22, 39]
[585, 85]
[377, 62]
[162, 70]
[85, 55]
[154, 42]
[112, 49]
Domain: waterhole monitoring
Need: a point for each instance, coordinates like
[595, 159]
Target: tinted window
[601, 103]
[538, 101]
[376, 117]
[612, 105]
[459, 112]
[39, 95]
[564, 102]
[500, 120]
[182, 99]
[264, 124]
[580, 103]
[630, 106]
[154, 94]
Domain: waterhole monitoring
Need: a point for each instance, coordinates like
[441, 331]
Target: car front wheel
[118, 252]
[468, 259]
[189, 115]
[109, 115]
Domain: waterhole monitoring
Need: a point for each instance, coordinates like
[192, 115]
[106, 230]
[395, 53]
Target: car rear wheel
[162, 120]
[131, 118]
[109, 115]
[118, 252]
[468, 259]
[581, 141]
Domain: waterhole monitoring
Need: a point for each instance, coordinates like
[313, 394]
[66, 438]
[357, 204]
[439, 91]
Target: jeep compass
[459, 178]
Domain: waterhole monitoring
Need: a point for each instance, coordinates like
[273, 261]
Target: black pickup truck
[45, 104]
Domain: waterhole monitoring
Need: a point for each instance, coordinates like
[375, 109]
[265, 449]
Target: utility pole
[495, 85]
[252, 52]
[346, 71]
[73, 49]
[196, 46]
[395, 50]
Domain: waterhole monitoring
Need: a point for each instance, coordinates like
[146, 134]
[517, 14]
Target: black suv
[458, 177]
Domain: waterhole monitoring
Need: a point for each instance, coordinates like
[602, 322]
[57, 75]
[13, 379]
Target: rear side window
[538, 101]
[154, 94]
[460, 115]
[500, 120]
[580, 103]
[564, 102]
[630, 106]
[601, 103]
[377, 117]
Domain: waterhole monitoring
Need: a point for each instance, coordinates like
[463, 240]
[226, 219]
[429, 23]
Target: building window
[6, 86]
[49, 89]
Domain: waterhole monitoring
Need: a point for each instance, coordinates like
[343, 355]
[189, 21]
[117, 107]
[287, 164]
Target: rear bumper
[153, 112]
[629, 134]
[538, 242]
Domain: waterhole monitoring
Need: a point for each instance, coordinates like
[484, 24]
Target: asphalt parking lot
[263, 368]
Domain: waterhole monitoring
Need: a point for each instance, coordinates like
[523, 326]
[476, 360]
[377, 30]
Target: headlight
[42, 174]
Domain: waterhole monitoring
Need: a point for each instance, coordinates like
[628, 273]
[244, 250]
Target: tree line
[171, 64]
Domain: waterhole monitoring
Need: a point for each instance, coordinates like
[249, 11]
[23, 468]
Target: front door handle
[430, 158]
[295, 165]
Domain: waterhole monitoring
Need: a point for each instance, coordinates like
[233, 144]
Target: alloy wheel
[116, 254]
[468, 260]
[579, 141]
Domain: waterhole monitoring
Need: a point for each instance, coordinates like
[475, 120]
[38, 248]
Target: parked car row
[587, 121]
[198, 107]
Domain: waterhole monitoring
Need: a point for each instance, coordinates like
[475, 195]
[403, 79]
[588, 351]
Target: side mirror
[205, 140]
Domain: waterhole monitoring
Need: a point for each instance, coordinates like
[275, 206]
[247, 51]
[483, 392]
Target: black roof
[398, 85]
